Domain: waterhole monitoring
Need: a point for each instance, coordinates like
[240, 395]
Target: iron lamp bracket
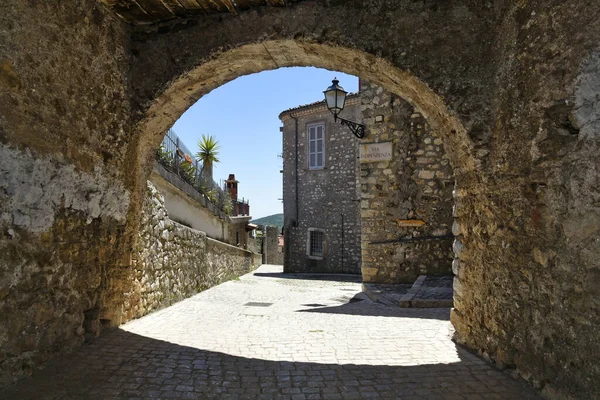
[357, 129]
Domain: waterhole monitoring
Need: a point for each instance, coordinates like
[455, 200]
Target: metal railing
[177, 158]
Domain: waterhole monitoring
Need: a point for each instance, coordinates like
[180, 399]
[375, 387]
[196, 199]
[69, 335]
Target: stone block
[426, 174]
[582, 226]
[456, 228]
[458, 287]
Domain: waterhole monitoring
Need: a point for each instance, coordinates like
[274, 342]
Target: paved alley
[269, 335]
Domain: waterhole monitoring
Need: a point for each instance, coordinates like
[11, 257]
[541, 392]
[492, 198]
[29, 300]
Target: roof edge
[316, 104]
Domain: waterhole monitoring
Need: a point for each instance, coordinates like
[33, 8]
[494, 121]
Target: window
[315, 245]
[316, 146]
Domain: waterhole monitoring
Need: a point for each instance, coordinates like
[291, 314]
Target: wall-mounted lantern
[335, 97]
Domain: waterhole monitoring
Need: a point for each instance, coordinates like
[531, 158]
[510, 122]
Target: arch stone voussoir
[253, 58]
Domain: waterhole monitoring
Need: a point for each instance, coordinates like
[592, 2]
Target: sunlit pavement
[270, 335]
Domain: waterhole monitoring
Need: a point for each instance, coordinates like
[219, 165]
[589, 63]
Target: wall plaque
[410, 222]
[374, 152]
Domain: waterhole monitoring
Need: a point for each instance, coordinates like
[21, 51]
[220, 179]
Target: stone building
[320, 190]
[239, 206]
[406, 205]
[271, 250]
[239, 227]
[86, 94]
[401, 202]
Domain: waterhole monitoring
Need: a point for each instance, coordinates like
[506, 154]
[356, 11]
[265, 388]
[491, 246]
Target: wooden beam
[149, 11]
[253, 3]
[129, 11]
[175, 7]
[156, 9]
[247, 4]
[243, 4]
[212, 7]
[193, 7]
[230, 6]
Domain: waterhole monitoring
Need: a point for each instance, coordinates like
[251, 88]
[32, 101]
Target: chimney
[232, 186]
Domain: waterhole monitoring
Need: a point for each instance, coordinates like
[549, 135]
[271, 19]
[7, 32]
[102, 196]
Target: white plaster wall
[183, 209]
[33, 189]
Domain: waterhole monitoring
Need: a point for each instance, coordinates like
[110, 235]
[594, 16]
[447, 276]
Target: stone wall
[255, 245]
[64, 196]
[527, 272]
[238, 234]
[273, 253]
[325, 199]
[414, 188]
[173, 262]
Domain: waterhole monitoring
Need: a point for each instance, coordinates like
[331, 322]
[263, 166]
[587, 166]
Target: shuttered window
[316, 146]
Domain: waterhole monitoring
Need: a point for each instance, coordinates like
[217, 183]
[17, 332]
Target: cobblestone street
[269, 335]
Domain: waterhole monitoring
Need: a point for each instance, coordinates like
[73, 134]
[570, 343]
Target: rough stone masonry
[324, 198]
[173, 262]
[406, 197]
[510, 86]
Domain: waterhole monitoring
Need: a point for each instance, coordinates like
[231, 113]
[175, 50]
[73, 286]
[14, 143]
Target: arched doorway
[182, 93]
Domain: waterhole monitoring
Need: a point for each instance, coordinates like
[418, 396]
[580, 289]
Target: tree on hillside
[208, 150]
[271, 220]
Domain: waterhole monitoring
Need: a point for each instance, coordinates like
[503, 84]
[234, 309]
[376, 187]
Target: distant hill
[271, 220]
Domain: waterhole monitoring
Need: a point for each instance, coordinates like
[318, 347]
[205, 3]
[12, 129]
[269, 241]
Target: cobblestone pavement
[271, 336]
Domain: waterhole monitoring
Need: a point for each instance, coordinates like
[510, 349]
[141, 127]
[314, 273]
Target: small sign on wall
[410, 222]
[374, 152]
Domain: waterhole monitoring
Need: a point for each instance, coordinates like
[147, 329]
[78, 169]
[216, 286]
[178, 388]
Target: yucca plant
[208, 150]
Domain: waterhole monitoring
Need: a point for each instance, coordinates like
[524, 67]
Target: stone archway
[75, 145]
[253, 58]
[458, 110]
[173, 69]
[266, 55]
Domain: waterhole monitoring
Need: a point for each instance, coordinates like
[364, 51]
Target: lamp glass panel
[341, 99]
[330, 97]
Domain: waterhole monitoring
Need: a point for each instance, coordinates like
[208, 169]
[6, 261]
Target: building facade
[381, 205]
[406, 206]
[240, 227]
[321, 194]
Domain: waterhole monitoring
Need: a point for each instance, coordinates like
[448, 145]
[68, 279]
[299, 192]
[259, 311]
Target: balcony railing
[177, 158]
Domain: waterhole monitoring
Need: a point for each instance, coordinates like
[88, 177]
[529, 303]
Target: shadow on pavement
[360, 306]
[123, 365]
[312, 277]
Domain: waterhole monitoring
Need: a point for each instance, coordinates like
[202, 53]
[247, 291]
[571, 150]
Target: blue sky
[243, 116]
